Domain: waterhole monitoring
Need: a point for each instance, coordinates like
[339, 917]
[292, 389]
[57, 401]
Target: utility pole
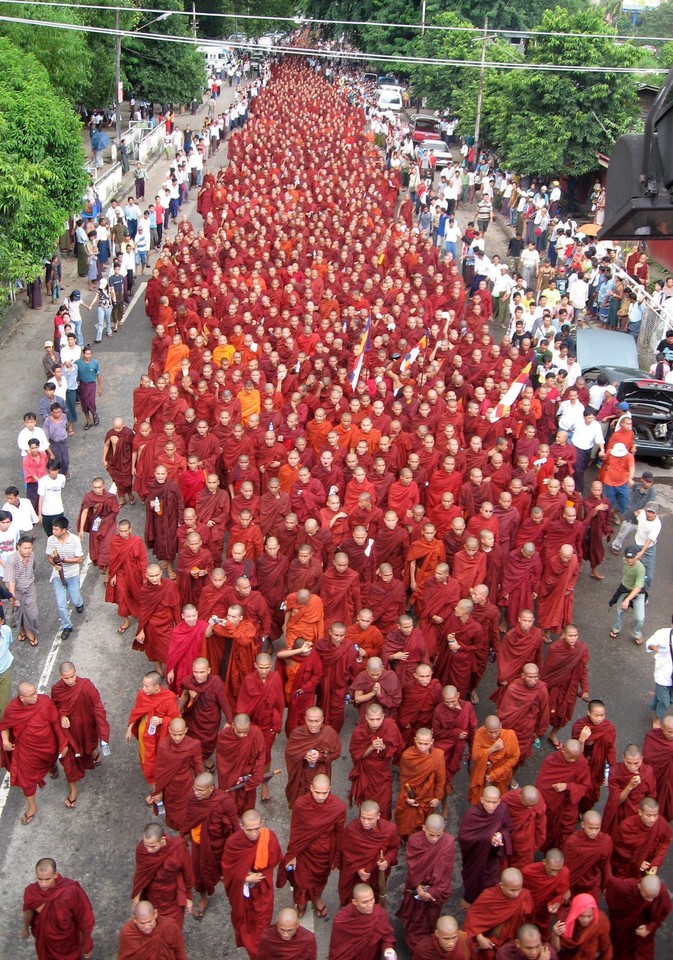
[194, 20]
[423, 19]
[480, 97]
[118, 80]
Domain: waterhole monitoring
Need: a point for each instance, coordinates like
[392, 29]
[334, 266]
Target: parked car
[442, 152]
[386, 81]
[650, 401]
[237, 38]
[424, 128]
[390, 99]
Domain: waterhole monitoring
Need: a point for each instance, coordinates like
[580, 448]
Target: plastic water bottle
[389, 954]
[105, 748]
[161, 809]
[151, 730]
[606, 773]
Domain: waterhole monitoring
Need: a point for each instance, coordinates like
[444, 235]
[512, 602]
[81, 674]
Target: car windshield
[426, 123]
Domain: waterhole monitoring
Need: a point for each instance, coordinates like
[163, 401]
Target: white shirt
[23, 513]
[570, 416]
[37, 433]
[50, 491]
[663, 662]
[647, 529]
[587, 434]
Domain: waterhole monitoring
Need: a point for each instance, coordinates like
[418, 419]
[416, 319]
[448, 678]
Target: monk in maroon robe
[403, 649]
[387, 599]
[340, 592]
[528, 813]
[641, 842]
[125, 573]
[287, 940]
[159, 613]
[178, 763]
[429, 855]
[436, 602]
[302, 669]
[520, 582]
[340, 662]
[261, 698]
[420, 696]
[485, 842]
[311, 749]
[658, 754]
[375, 744]
[272, 571]
[98, 518]
[32, 741]
[212, 508]
[375, 683]
[598, 527]
[454, 724]
[465, 642]
[360, 931]
[210, 817]
[117, 459]
[598, 737]
[520, 645]
[557, 591]
[249, 860]
[240, 760]
[84, 721]
[392, 544]
[314, 848]
[369, 846]
[447, 942]
[164, 873]
[58, 913]
[636, 905]
[566, 767]
[195, 562]
[630, 781]
[548, 881]
[496, 915]
[524, 708]
[147, 936]
[565, 672]
[164, 508]
[203, 702]
[587, 854]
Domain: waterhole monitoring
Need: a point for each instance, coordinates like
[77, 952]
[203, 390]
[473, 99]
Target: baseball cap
[76, 295]
[652, 508]
[647, 475]
[611, 389]
[48, 343]
[630, 552]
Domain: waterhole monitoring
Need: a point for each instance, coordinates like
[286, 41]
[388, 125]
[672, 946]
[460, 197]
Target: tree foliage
[164, 72]
[42, 175]
[548, 123]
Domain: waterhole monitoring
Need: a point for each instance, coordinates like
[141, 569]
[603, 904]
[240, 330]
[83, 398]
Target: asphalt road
[94, 842]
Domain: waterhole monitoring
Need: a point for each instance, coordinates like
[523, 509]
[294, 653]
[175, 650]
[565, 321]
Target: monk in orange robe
[495, 754]
[422, 779]
[149, 720]
[304, 617]
[422, 558]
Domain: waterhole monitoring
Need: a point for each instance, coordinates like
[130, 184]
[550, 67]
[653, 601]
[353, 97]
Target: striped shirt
[67, 549]
[21, 574]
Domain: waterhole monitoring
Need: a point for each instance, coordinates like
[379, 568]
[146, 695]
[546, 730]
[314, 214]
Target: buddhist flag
[413, 353]
[505, 405]
[362, 348]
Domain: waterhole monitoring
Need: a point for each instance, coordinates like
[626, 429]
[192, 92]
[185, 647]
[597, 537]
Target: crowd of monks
[337, 525]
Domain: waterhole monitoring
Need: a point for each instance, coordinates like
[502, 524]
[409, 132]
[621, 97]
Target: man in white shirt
[21, 509]
[648, 528]
[661, 645]
[31, 431]
[570, 413]
[578, 292]
[587, 435]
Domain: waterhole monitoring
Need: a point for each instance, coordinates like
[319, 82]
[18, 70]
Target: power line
[306, 21]
[338, 54]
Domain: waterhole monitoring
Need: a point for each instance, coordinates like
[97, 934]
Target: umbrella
[589, 229]
[99, 141]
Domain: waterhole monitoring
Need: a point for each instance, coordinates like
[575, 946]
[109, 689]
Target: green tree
[547, 123]
[64, 53]
[42, 176]
[213, 27]
[166, 72]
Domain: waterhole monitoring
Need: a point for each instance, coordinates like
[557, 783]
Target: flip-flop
[123, 629]
[33, 642]
[613, 634]
[70, 803]
[638, 641]
[88, 426]
[27, 818]
[556, 744]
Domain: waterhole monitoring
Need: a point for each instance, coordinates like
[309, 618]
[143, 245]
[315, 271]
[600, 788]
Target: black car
[650, 401]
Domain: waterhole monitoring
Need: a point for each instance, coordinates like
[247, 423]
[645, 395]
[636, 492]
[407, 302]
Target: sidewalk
[40, 321]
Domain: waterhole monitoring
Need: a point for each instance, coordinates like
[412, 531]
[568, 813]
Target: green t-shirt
[633, 576]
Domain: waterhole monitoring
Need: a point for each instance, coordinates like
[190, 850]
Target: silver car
[441, 150]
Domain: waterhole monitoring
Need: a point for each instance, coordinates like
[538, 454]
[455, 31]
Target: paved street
[94, 842]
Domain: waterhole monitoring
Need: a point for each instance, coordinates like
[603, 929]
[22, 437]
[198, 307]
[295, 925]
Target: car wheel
[666, 462]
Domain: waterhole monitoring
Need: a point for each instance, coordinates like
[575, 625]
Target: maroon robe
[628, 911]
[482, 862]
[251, 912]
[299, 772]
[562, 807]
[127, 565]
[161, 526]
[241, 760]
[264, 703]
[339, 665]
[430, 865]
[100, 524]
[218, 819]
[203, 712]
[615, 811]
[315, 843]
[183, 649]
[159, 613]
[362, 850]
[635, 843]
[371, 776]
[658, 754]
[38, 739]
[176, 766]
[447, 727]
[302, 946]
[164, 878]
[521, 579]
[588, 862]
[530, 828]
[364, 936]
[599, 749]
[417, 707]
[62, 919]
[565, 672]
[82, 705]
[119, 458]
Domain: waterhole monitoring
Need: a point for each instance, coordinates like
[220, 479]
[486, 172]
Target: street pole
[194, 20]
[480, 97]
[423, 19]
[118, 80]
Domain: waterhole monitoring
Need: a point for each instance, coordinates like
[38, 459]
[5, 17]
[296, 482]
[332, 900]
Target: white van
[390, 99]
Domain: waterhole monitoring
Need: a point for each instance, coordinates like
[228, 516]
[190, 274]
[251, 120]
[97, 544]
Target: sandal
[70, 803]
[27, 818]
[96, 421]
[638, 641]
[614, 634]
[21, 637]
[88, 426]
[556, 744]
[33, 642]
